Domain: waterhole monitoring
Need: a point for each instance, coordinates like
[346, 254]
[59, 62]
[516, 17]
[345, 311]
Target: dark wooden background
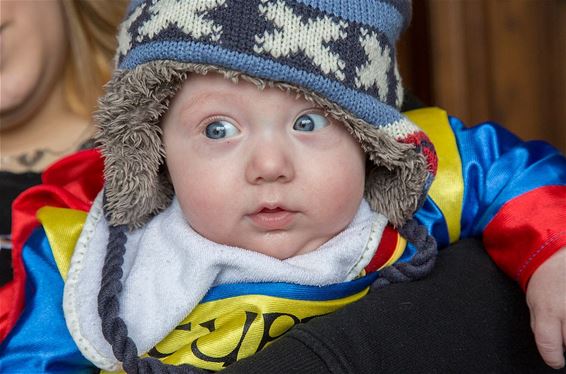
[501, 60]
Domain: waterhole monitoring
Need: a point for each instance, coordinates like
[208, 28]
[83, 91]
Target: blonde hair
[92, 27]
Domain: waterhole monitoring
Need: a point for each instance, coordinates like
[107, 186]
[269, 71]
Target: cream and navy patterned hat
[340, 54]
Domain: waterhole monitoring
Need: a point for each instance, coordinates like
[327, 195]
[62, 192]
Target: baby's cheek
[342, 196]
[208, 206]
[200, 215]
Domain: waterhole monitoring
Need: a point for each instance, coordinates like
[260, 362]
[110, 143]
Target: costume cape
[489, 183]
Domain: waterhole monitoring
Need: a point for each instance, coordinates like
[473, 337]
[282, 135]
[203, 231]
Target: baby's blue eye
[221, 130]
[310, 122]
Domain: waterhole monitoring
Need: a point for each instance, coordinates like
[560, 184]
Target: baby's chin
[281, 245]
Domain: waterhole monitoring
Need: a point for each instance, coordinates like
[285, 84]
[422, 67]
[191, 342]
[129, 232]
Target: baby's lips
[275, 218]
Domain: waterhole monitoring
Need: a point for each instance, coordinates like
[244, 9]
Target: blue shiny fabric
[40, 341]
[432, 218]
[497, 167]
[291, 291]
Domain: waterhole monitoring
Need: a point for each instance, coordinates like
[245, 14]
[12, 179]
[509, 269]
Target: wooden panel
[414, 55]
[448, 46]
[477, 56]
[518, 66]
[501, 60]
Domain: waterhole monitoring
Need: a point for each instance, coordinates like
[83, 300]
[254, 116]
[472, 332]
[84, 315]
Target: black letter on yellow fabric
[231, 357]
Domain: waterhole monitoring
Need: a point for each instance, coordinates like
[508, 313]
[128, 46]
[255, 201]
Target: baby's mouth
[274, 210]
[270, 219]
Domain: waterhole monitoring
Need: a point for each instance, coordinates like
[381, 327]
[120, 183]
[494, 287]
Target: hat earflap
[136, 185]
[396, 174]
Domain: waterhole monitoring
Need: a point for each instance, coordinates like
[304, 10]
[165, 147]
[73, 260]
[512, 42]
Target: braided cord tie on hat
[420, 264]
[115, 330]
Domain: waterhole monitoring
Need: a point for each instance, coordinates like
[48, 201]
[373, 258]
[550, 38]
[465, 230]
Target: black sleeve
[466, 317]
[11, 185]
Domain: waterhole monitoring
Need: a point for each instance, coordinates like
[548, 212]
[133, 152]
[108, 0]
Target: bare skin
[546, 297]
[34, 114]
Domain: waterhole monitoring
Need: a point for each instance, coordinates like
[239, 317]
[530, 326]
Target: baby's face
[261, 170]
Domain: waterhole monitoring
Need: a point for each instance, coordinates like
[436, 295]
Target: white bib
[168, 268]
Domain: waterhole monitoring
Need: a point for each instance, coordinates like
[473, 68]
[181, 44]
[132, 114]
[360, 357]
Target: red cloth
[518, 245]
[385, 249]
[72, 182]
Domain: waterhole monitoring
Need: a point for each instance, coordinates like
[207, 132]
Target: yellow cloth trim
[447, 190]
[223, 331]
[62, 227]
[397, 252]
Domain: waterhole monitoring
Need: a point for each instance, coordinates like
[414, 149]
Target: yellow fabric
[217, 333]
[397, 253]
[447, 190]
[62, 227]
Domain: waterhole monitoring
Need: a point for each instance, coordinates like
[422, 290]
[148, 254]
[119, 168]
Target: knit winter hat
[339, 54]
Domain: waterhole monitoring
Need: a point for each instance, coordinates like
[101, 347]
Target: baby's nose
[270, 161]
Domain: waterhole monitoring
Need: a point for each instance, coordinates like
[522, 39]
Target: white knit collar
[168, 268]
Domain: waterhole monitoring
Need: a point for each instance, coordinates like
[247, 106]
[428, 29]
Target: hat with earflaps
[338, 54]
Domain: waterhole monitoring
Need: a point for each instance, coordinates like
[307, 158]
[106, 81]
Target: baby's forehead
[214, 88]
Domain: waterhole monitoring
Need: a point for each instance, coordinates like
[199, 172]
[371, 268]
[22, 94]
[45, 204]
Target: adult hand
[546, 298]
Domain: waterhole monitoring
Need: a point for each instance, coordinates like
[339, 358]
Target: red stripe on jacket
[385, 249]
[526, 231]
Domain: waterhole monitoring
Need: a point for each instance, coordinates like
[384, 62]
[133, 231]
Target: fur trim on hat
[137, 187]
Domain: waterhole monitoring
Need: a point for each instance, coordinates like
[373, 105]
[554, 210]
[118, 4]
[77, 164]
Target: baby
[255, 186]
[268, 200]
[258, 173]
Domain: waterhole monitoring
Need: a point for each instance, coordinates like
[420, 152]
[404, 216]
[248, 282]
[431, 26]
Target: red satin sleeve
[527, 231]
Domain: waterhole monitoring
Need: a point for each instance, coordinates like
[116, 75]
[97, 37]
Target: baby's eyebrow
[213, 96]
